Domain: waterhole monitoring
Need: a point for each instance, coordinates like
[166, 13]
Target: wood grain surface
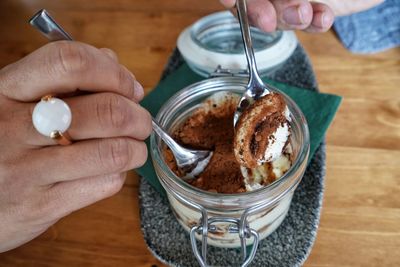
[360, 223]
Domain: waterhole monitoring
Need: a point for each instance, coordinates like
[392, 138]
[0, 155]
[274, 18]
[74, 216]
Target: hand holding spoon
[192, 162]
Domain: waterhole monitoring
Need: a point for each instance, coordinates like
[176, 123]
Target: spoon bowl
[191, 161]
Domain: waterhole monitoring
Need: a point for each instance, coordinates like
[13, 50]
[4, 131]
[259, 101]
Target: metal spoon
[192, 162]
[255, 87]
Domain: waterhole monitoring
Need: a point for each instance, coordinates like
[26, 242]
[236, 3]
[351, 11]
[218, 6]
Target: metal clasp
[239, 226]
[220, 72]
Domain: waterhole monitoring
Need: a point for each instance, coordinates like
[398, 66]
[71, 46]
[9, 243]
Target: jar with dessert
[245, 190]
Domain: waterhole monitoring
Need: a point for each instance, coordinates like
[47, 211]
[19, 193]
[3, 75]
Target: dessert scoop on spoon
[262, 116]
[192, 162]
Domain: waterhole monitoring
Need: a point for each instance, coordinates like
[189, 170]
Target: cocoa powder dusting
[256, 126]
[212, 130]
[262, 133]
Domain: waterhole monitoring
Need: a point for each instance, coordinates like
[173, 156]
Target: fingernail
[110, 53]
[138, 92]
[228, 3]
[294, 15]
[325, 21]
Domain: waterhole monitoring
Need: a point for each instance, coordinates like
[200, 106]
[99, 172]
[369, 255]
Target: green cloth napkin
[319, 110]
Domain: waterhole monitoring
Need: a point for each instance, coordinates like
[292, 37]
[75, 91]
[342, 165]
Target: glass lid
[216, 41]
[222, 34]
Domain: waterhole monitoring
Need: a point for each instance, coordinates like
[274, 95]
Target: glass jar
[216, 40]
[227, 220]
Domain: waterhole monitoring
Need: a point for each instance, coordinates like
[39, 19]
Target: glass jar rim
[223, 29]
[276, 189]
[214, 41]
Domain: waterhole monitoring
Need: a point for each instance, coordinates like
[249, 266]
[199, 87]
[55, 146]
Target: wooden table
[360, 224]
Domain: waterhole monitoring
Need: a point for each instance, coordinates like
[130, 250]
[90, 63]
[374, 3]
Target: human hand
[269, 15]
[41, 182]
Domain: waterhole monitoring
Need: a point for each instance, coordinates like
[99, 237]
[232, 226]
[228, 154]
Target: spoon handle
[171, 143]
[54, 32]
[255, 79]
[48, 26]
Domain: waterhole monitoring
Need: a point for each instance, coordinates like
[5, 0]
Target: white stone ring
[52, 117]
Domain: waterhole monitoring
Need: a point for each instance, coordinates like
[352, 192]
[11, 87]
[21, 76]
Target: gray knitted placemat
[289, 245]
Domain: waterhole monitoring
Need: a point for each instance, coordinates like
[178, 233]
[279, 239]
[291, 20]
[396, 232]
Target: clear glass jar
[216, 40]
[227, 220]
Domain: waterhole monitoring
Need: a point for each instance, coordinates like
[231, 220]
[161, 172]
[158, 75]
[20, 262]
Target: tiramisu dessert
[245, 158]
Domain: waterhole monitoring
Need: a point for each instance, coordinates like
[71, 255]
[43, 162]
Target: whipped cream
[262, 131]
[279, 137]
[267, 173]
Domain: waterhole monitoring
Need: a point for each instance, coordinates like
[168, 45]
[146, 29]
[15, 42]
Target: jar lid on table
[216, 40]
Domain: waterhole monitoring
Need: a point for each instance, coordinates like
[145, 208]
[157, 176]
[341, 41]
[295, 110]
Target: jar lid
[216, 40]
